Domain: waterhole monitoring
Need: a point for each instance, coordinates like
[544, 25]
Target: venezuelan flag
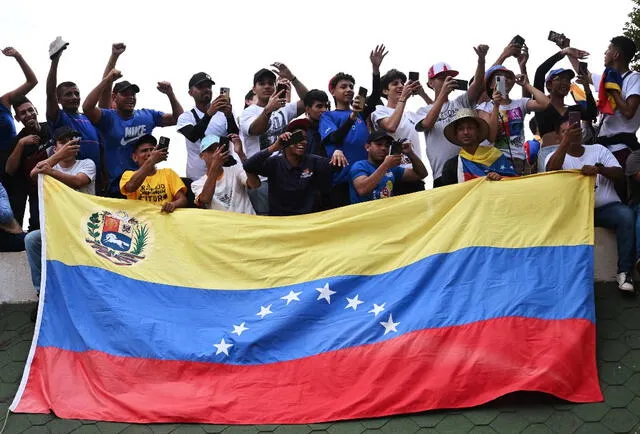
[579, 96]
[611, 80]
[486, 159]
[441, 299]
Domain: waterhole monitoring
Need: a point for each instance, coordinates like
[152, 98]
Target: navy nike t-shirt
[119, 135]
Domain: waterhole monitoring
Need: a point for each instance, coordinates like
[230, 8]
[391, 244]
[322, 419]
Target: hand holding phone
[225, 91]
[501, 86]
[163, 143]
[280, 88]
[414, 76]
[462, 84]
[574, 119]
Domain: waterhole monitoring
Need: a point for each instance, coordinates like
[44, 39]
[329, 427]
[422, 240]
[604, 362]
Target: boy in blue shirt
[374, 178]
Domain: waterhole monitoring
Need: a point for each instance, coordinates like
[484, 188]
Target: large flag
[441, 299]
[611, 80]
[485, 160]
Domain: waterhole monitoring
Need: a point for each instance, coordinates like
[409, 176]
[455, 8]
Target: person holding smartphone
[436, 116]
[398, 122]
[297, 180]
[505, 116]
[596, 160]
[345, 128]
[162, 187]
[377, 176]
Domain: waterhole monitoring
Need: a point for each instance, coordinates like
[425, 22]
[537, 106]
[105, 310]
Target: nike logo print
[124, 142]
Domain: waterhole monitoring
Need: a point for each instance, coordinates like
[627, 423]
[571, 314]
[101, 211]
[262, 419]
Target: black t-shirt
[449, 172]
[31, 155]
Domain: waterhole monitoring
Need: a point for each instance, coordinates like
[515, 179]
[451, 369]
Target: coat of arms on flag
[117, 237]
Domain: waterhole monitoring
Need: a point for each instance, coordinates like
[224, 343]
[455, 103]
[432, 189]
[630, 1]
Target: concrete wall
[15, 279]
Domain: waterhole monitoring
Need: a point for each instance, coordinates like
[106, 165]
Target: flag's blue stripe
[89, 308]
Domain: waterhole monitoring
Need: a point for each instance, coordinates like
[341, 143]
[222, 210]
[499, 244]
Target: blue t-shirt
[7, 128]
[119, 135]
[90, 143]
[353, 144]
[384, 187]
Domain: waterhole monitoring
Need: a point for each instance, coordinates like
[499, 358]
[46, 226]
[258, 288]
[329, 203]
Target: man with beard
[25, 151]
[207, 118]
[124, 125]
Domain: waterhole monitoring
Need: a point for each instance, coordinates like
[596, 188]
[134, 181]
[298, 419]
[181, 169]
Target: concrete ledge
[16, 287]
[15, 279]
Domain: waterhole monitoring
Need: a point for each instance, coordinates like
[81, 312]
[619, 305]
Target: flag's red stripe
[452, 367]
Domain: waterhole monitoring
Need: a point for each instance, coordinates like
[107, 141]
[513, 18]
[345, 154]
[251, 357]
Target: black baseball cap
[378, 135]
[64, 132]
[121, 86]
[263, 73]
[147, 138]
[200, 77]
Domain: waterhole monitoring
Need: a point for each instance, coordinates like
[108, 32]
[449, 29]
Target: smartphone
[224, 143]
[163, 142]
[225, 91]
[396, 147]
[518, 40]
[574, 118]
[462, 84]
[280, 88]
[414, 76]
[501, 86]
[583, 68]
[362, 92]
[296, 138]
[557, 38]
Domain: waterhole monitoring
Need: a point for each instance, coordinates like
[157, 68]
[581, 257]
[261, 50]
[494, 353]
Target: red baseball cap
[441, 68]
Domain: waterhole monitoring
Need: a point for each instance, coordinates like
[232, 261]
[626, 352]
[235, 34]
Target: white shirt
[605, 191]
[406, 128]
[217, 126]
[88, 167]
[617, 123]
[438, 148]
[277, 123]
[231, 191]
[510, 138]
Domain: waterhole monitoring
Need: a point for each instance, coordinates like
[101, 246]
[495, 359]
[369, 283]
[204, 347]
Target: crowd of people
[285, 155]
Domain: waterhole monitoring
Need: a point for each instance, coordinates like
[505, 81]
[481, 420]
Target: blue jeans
[636, 210]
[621, 218]
[260, 198]
[33, 246]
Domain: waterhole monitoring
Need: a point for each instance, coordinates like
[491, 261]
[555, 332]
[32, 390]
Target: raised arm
[540, 101]
[418, 170]
[147, 168]
[261, 123]
[477, 87]
[430, 120]
[52, 82]
[365, 184]
[29, 75]
[283, 71]
[169, 119]
[391, 123]
[116, 50]
[90, 102]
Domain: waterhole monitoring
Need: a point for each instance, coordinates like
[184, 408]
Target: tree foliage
[632, 30]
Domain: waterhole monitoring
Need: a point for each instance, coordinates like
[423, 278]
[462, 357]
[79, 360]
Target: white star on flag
[325, 293]
[264, 311]
[292, 296]
[389, 325]
[353, 302]
[222, 347]
[239, 329]
[377, 308]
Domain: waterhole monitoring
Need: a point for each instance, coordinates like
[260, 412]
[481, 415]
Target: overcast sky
[233, 39]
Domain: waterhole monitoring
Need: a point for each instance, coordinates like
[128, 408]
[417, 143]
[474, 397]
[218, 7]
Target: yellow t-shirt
[158, 188]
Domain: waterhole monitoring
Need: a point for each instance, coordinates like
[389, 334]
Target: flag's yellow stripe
[210, 249]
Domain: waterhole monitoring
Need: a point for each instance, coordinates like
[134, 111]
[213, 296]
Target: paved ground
[618, 361]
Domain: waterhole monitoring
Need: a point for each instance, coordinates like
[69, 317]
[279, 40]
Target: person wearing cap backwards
[297, 180]
[596, 160]
[261, 123]
[124, 125]
[558, 83]
[506, 116]
[64, 166]
[345, 129]
[224, 186]
[157, 186]
[67, 95]
[25, 151]
[206, 118]
[376, 177]
[468, 130]
[398, 122]
[437, 115]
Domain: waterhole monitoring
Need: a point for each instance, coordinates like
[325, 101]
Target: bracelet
[402, 100]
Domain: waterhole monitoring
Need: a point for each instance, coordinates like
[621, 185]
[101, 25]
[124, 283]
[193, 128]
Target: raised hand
[481, 50]
[575, 52]
[282, 70]
[377, 56]
[114, 75]
[10, 52]
[165, 87]
[118, 48]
